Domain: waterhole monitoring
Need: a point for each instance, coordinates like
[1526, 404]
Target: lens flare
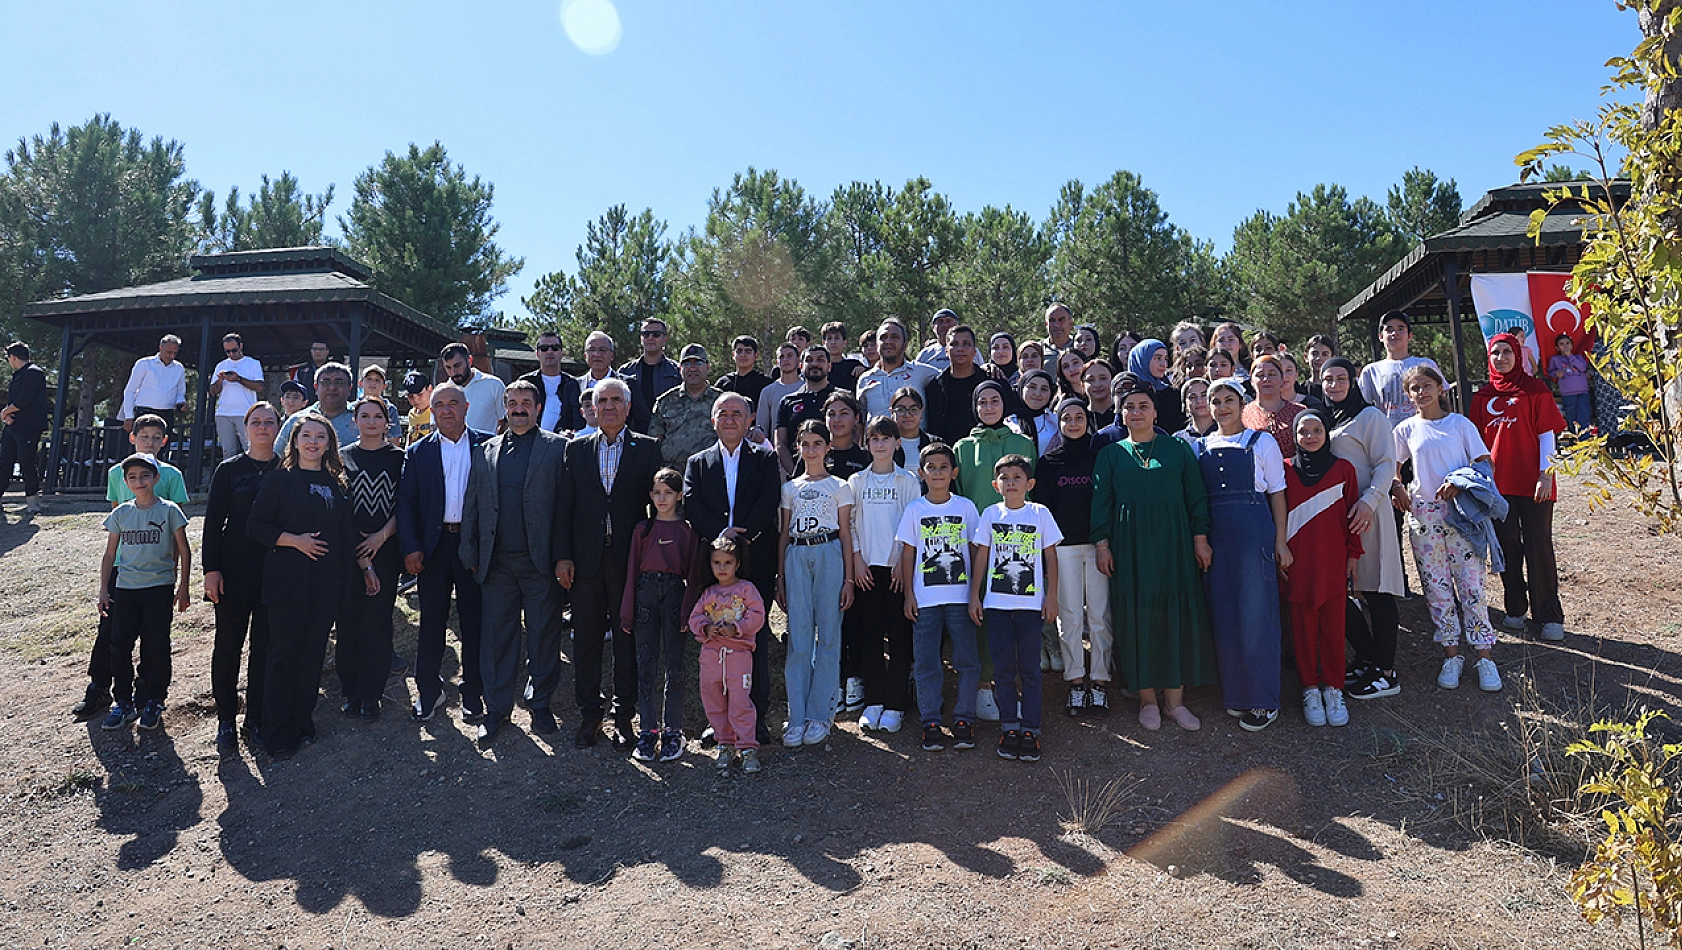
[592, 25]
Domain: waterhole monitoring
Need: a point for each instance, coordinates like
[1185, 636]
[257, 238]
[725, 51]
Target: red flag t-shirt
[1512, 426]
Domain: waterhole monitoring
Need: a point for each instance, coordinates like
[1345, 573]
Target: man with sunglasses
[557, 391]
[236, 385]
[649, 375]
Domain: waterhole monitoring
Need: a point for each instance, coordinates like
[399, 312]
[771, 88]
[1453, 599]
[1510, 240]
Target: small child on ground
[934, 541]
[147, 546]
[725, 620]
[1016, 541]
[662, 560]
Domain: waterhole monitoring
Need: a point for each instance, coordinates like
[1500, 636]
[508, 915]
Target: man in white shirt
[485, 409]
[934, 353]
[157, 385]
[238, 382]
[878, 384]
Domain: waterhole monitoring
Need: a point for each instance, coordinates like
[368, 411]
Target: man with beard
[509, 526]
[892, 373]
[803, 404]
[485, 409]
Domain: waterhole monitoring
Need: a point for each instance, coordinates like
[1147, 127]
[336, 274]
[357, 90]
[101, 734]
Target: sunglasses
[231, 351]
[654, 333]
[548, 348]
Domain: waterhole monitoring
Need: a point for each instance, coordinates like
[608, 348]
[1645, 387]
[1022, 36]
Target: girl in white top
[1438, 442]
[817, 526]
[877, 637]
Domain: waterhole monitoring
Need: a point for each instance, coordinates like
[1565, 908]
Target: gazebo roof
[280, 300]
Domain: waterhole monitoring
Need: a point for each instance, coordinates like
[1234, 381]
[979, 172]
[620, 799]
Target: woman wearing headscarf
[1362, 435]
[1320, 496]
[1034, 417]
[1521, 423]
[1001, 357]
[1150, 525]
[1063, 483]
[1149, 361]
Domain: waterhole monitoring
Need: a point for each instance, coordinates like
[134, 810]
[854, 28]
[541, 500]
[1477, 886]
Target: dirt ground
[396, 835]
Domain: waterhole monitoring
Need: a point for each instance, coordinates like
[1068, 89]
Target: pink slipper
[1183, 716]
[1150, 717]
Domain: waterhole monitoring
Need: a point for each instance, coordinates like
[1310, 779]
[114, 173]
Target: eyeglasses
[548, 347]
[907, 410]
[654, 333]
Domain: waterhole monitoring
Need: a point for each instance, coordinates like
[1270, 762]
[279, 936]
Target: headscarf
[993, 386]
[1023, 412]
[1065, 449]
[1139, 363]
[1229, 382]
[1008, 369]
[1344, 412]
[1313, 466]
[1126, 385]
[1518, 381]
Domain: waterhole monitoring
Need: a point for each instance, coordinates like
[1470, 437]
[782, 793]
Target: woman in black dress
[302, 514]
[233, 577]
[372, 467]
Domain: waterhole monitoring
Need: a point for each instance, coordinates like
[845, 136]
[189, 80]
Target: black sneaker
[1029, 750]
[151, 715]
[1378, 686]
[94, 702]
[419, 713]
[121, 715]
[370, 710]
[648, 747]
[351, 708]
[1010, 744]
[1360, 672]
[472, 709]
[671, 745]
[1097, 700]
[1077, 702]
[227, 738]
[963, 734]
[933, 739]
[1255, 720]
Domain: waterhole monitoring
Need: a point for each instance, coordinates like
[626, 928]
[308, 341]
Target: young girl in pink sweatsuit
[725, 620]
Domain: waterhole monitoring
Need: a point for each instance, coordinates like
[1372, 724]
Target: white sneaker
[1337, 714]
[794, 736]
[891, 720]
[1553, 632]
[986, 707]
[855, 694]
[1512, 622]
[1312, 710]
[817, 732]
[870, 718]
[1449, 678]
[1489, 678]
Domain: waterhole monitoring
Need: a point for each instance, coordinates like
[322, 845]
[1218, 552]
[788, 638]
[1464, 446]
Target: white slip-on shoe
[1449, 678]
[1489, 678]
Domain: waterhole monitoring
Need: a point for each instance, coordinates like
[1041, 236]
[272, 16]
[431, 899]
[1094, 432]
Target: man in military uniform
[682, 418]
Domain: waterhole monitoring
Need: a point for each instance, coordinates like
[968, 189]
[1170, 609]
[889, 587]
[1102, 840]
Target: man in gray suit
[510, 523]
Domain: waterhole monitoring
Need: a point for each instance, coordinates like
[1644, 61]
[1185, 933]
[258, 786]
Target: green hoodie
[978, 452]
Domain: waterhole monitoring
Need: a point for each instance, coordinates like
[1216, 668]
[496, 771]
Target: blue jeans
[951, 619]
[1015, 638]
[812, 576]
[1577, 412]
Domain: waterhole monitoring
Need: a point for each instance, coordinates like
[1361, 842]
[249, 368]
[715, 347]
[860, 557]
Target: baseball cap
[415, 383]
[695, 351]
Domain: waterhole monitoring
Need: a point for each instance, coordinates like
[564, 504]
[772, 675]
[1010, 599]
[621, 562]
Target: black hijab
[1340, 413]
[1313, 466]
[1064, 450]
[1022, 411]
[1008, 369]
[990, 385]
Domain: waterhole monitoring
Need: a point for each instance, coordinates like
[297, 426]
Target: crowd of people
[1133, 520]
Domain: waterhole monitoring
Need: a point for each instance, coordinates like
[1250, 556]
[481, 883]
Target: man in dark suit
[25, 417]
[430, 498]
[732, 489]
[509, 526]
[557, 392]
[603, 495]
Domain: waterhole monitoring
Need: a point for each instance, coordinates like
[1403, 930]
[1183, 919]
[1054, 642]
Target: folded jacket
[1475, 510]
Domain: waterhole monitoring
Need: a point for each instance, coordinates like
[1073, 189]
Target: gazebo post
[355, 343]
[57, 450]
[1451, 291]
[195, 432]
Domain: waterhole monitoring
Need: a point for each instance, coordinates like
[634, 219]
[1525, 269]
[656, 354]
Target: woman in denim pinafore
[1245, 475]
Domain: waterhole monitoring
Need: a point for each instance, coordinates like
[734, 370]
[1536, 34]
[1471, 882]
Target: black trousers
[292, 680]
[20, 447]
[885, 642]
[1373, 643]
[1531, 580]
[141, 614]
[595, 611]
[661, 638]
[516, 587]
[362, 653]
[442, 573]
[233, 620]
[764, 579]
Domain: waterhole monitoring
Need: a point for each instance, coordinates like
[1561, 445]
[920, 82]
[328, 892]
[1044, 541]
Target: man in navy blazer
[741, 504]
[430, 497]
[603, 495]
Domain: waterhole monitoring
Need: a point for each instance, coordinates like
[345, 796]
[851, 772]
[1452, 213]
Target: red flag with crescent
[1552, 308]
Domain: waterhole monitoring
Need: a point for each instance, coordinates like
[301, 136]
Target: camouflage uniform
[683, 425]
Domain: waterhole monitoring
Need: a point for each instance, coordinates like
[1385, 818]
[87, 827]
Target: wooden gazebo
[1433, 283]
[279, 301]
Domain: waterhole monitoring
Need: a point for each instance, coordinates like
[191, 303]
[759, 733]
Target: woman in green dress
[1150, 522]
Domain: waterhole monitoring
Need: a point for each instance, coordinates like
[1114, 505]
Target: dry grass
[1091, 806]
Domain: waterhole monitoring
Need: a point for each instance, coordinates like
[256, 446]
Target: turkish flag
[1554, 313]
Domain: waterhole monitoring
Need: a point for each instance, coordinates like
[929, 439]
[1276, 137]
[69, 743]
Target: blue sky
[1222, 107]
